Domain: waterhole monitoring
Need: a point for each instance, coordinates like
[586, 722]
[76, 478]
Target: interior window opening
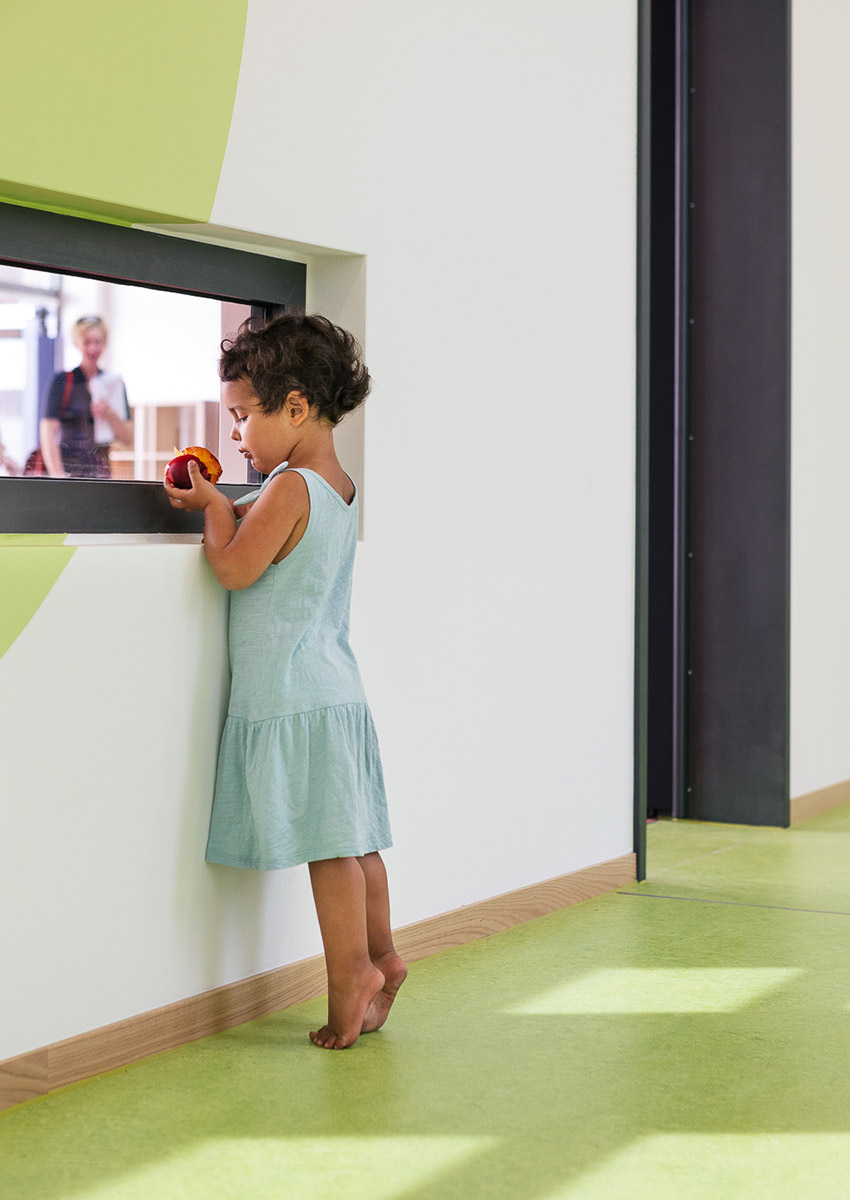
[144, 384]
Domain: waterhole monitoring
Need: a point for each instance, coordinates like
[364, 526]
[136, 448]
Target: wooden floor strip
[41, 1071]
[814, 804]
[23, 1078]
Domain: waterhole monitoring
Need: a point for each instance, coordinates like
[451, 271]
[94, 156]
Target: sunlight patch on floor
[299, 1168]
[719, 1166]
[658, 990]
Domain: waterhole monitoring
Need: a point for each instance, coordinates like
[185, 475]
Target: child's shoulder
[287, 484]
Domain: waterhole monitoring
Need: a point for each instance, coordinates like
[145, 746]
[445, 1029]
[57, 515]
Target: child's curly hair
[296, 352]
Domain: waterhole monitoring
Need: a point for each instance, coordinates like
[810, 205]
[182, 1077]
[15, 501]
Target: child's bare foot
[347, 1008]
[395, 973]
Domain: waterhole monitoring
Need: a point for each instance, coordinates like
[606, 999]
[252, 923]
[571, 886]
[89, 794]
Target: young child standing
[299, 773]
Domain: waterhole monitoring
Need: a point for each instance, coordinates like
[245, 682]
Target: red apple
[177, 471]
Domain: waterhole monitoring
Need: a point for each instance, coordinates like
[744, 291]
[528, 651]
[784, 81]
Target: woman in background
[67, 428]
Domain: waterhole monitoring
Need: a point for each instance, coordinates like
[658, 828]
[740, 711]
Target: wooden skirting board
[41, 1071]
[812, 804]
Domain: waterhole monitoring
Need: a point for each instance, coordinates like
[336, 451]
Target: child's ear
[297, 407]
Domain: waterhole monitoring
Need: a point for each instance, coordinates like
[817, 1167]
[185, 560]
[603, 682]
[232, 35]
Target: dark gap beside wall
[739, 400]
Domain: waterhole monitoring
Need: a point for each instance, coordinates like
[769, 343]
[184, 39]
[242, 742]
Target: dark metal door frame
[713, 402]
[739, 412]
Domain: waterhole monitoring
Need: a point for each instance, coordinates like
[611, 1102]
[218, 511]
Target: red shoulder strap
[69, 383]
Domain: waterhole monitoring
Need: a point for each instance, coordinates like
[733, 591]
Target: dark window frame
[65, 245]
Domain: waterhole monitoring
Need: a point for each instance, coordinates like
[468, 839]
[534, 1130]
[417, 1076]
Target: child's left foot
[347, 1007]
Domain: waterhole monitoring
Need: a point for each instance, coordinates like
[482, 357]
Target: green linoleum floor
[643, 1044]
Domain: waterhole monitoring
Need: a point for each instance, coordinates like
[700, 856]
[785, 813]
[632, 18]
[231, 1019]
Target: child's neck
[315, 449]
[318, 453]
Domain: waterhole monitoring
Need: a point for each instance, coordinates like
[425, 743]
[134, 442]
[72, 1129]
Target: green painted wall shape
[118, 110]
[29, 567]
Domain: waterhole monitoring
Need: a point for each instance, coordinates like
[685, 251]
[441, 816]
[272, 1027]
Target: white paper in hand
[109, 388]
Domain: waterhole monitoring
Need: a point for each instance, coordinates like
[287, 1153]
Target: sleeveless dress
[299, 772]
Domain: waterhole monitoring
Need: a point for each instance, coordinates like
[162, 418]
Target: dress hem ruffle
[298, 788]
[224, 860]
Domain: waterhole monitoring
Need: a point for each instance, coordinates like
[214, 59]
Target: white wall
[820, 628]
[110, 704]
[482, 157]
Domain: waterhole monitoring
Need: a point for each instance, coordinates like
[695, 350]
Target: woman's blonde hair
[83, 324]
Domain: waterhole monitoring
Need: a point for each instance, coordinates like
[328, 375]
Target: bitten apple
[177, 471]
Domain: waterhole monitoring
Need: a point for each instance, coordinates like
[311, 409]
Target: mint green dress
[299, 771]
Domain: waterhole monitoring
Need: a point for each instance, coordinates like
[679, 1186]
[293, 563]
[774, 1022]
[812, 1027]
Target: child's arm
[274, 524]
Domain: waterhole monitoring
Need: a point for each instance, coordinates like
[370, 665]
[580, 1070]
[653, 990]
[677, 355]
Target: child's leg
[382, 952]
[339, 890]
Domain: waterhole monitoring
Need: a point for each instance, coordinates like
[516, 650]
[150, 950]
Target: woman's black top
[81, 456]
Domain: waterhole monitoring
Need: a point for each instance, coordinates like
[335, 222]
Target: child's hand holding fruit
[190, 479]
